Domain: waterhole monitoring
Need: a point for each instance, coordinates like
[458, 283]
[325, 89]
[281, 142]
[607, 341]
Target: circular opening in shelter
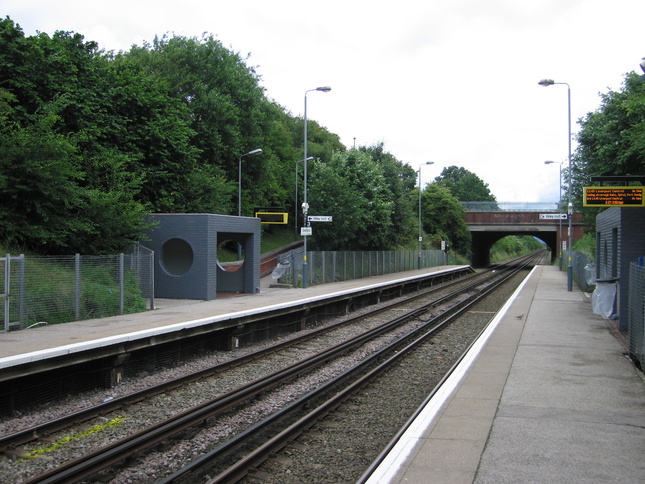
[176, 257]
[230, 255]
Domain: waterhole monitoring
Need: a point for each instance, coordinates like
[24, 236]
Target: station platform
[175, 315]
[546, 395]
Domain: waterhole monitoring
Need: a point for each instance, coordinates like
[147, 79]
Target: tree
[46, 210]
[464, 185]
[226, 106]
[230, 115]
[63, 192]
[400, 179]
[611, 141]
[161, 126]
[352, 189]
[444, 218]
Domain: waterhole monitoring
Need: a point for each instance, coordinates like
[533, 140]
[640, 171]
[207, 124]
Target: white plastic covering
[603, 298]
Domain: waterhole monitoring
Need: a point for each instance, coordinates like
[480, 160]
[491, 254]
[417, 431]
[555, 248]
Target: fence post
[6, 289]
[77, 286]
[22, 288]
[353, 264]
[121, 282]
[333, 267]
[344, 265]
[152, 279]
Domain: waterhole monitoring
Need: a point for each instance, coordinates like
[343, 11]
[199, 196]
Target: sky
[454, 82]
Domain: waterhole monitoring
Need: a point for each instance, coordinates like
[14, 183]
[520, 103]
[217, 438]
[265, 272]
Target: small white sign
[319, 218]
[304, 231]
[553, 216]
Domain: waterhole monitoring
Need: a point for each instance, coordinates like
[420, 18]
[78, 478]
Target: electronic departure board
[613, 196]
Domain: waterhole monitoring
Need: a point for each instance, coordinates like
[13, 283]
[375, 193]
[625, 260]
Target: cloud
[451, 82]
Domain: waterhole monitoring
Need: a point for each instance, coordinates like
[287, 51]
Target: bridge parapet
[516, 218]
[512, 206]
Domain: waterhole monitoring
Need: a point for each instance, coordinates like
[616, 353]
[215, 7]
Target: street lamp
[239, 180]
[559, 206]
[295, 223]
[551, 82]
[239, 193]
[305, 205]
[420, 237]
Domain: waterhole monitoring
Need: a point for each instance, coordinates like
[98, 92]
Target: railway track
[329, 400]
[109, 458]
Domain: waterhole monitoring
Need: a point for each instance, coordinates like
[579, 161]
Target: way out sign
[553, 216]
[319, 218]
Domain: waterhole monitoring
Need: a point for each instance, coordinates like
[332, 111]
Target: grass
[274, 238]
[51, 286]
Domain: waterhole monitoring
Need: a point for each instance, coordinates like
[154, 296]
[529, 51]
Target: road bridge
[489, 222]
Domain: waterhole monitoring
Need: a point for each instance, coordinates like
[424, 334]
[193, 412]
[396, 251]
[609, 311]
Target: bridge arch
[482, 243]
[496, 222]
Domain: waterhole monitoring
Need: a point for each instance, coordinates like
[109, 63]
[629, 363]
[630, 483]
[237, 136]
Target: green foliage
[400, 180]
[352, 189]
[464, 185]
[39, 172]
[611, 140]
[228, 115]
[586, 245]
[444, 218]
[514, 246]
[65, 190]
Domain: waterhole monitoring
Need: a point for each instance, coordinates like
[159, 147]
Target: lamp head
[257, 150]
[546, 82]
[323, 88]
[548, 162]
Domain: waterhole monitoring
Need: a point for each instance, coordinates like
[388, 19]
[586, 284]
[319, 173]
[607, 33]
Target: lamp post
[559, 206]
[305, 205]
[295, 223]
[420, 237]
[550, 82]
[239, 192]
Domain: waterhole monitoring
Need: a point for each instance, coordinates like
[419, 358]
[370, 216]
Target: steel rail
[33, 433]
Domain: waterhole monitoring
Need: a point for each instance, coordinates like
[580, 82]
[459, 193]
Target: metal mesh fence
[326, 266]
[579, 261]
[636, 314]
[42, 290]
